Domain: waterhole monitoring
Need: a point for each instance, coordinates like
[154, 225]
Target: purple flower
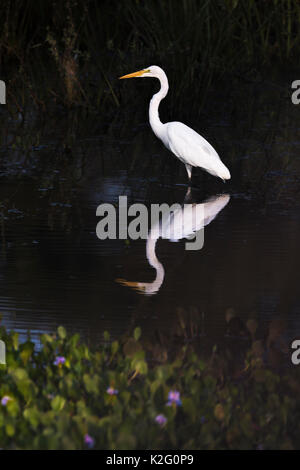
[112, 391]
[89, 441]
[59, 360]
[5, 400]
[161, 420]
[202, 419]
[174, 398]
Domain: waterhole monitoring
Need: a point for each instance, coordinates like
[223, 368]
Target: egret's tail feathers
[223, 172]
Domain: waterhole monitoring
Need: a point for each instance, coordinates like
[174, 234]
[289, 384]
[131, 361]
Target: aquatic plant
[76, 405]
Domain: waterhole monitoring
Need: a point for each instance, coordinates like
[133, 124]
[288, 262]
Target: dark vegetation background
[70, 53]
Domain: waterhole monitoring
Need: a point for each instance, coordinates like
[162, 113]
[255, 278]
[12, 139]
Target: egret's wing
[192, 148]
[213, 206]
[191, 218]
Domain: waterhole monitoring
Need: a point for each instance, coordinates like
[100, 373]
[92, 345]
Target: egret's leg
[188, 196]
[189, 171]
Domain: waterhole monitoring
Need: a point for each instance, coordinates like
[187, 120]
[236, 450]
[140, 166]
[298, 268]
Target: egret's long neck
[152, 287]
[155, 122]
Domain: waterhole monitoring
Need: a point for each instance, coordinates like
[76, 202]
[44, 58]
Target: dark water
[55, 271]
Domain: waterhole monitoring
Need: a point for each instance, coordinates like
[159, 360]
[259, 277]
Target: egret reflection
[185, 222]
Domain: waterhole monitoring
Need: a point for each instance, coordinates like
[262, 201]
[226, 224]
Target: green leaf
[10, 429]
[139, 366]
[27, 351]
[106, 336]
[33, 416]
[19, 374]
[114, 347]
[91, 383]
[61, 332]
[58, 403]
[45, 338]
[137, 333]
[15, 340]
[13, 408]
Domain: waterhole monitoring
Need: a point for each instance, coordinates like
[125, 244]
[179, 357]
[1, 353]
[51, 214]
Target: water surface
[55, 271]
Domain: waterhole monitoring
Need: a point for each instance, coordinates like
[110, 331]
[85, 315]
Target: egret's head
[152, 71]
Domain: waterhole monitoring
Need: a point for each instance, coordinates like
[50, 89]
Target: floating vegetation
[69, 396]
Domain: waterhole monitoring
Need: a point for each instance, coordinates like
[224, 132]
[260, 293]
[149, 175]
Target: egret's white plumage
[191, 148]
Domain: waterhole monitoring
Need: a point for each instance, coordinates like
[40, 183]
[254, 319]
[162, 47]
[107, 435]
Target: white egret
[191, 148]
[184, 222]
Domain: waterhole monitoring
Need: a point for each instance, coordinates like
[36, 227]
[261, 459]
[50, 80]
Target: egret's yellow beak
[139, 73]
[134, 285]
